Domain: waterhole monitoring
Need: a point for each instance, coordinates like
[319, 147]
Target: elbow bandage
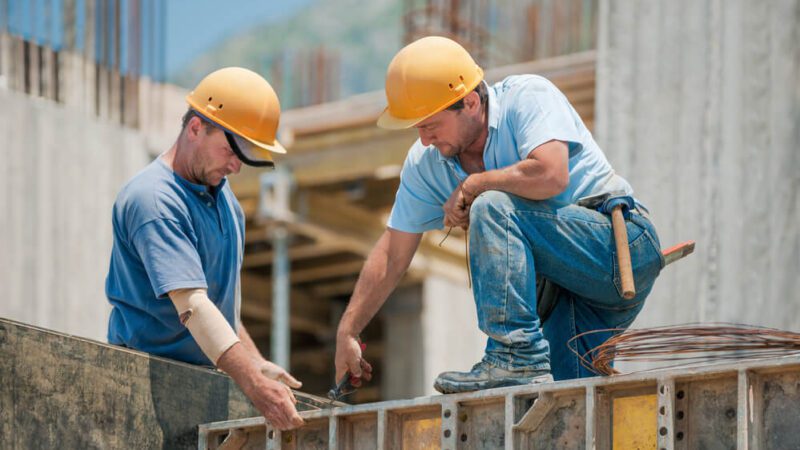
[208, 326]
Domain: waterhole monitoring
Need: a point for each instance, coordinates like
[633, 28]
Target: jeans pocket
[646, 263]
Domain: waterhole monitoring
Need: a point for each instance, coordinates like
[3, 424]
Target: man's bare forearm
[386, 264]
[543, 175]
[248, 344]
[237, 362]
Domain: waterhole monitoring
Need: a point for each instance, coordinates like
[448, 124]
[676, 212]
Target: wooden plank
[333, 289]
[296, 253]
[305, 324]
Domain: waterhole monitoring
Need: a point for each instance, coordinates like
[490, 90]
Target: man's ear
[193, 128]
[472, 101]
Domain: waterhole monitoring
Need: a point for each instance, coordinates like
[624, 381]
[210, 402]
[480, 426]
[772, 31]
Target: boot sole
[446, 387]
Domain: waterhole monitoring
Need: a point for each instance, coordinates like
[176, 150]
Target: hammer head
[606, 202]
[594, 201]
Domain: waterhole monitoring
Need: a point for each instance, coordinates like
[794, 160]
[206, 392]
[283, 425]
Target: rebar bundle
[686, 345]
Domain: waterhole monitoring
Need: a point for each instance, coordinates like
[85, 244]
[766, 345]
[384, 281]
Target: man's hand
[349, 358]
[273, 399]
[278, 373]
[276, 402]
[456, 209]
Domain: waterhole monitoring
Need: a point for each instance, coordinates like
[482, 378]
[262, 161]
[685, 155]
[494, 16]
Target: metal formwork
[745, 405]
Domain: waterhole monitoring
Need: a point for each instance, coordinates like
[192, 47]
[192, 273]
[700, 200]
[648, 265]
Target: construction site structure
[60, 391]
[745, 405]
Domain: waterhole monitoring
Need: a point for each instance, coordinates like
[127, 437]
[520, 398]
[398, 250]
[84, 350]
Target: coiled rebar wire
[688, 344]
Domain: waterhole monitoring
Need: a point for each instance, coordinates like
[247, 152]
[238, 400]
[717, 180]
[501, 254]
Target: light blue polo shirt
[525, 111]
[170, 234]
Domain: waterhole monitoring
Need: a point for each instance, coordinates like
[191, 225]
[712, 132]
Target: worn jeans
[511, 239]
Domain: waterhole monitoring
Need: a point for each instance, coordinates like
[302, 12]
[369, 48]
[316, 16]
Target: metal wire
[685, 345]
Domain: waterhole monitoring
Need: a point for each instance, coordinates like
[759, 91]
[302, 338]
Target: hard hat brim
[387, 121]
[275, 147]
[260, 154]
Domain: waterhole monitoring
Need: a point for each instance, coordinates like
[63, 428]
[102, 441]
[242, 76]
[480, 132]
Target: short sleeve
[416, 208]
[169, 257]
[540, 113]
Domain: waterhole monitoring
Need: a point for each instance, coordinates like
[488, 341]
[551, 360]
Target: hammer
[618, 204]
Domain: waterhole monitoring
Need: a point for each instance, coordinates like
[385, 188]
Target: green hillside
[364, 34]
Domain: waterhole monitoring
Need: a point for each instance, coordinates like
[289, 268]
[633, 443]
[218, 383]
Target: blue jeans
[512, 239]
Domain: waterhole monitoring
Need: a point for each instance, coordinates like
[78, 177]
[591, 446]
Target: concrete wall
[60, 170]
[698, 105]
[58, 391]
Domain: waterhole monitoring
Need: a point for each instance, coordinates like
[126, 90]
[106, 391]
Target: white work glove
[278, 373]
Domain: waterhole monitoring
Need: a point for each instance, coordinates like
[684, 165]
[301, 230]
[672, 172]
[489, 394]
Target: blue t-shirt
[171, 234]
[525, 111]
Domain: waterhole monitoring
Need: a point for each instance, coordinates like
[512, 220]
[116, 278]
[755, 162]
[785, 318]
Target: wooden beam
[326, 272]
[304, 323]
[333, 289]
[300, 252]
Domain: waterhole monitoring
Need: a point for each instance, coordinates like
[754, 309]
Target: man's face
[451, 132]
[213, 157]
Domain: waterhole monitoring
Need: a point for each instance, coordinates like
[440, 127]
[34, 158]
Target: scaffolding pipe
[280, 296]
[274, 209]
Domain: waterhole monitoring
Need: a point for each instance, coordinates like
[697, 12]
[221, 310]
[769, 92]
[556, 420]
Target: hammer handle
[623, 253]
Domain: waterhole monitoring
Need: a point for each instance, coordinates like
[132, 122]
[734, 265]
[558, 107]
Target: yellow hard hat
[244, 104]
[426, 77]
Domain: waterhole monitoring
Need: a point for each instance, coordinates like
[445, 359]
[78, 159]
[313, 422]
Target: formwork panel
[750, 404]
[562, 425]
[312, 436]
[358, 432]
[481, 425]
[250, 438]
[415, 429]
[622, 406]
[780, 406]
[706, 414]
[256, 440]
[634, 421]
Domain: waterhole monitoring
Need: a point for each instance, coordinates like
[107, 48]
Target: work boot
[486, 376]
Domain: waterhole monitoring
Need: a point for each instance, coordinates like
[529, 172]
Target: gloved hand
[278, 373]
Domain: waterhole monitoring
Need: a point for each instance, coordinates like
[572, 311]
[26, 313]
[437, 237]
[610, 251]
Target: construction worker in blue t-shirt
[173, 282]
[508, 162]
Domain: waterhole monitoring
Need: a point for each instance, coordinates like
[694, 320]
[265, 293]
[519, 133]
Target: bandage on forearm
[205, 322]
